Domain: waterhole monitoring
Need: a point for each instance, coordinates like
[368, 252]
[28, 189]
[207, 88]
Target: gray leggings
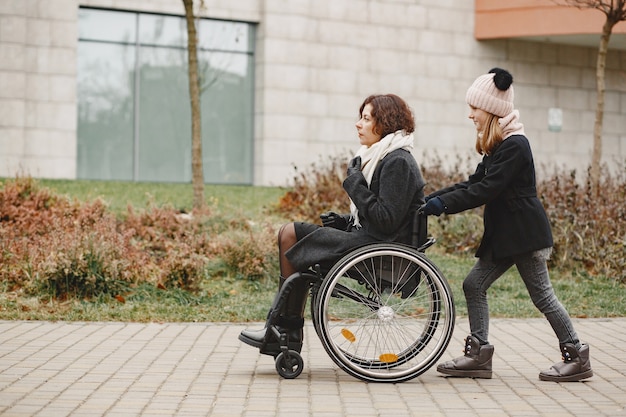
[534, 272]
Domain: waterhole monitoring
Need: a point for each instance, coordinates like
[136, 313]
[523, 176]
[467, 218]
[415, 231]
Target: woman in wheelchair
[385, 187]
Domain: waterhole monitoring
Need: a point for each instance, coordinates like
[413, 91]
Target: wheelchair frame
[384, 312]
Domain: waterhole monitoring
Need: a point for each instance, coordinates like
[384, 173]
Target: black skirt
[323, 245]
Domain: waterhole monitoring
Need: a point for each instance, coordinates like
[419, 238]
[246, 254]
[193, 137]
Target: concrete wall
[38, 88]
[316, 60]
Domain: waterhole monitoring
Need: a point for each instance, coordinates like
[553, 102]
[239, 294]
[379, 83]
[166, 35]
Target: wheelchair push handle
[419, 232]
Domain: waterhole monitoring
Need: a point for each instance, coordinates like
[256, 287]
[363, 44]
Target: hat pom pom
[502, 78]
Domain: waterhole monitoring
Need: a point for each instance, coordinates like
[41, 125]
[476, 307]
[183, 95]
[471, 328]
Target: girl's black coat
[515, 221]
[386, 211]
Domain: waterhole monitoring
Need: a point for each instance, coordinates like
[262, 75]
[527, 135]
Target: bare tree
[197, 172]
[615, 12]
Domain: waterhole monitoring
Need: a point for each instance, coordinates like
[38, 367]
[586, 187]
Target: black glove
[434, 206]
[354, 166]
[332, 219]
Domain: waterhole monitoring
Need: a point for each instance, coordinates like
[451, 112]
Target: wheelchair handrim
[396, 364]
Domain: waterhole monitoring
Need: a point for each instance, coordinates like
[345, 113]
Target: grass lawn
[240, 200]
[225, 298]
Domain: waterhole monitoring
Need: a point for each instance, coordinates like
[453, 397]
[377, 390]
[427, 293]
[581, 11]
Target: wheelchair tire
[384, 313]
[289, 364]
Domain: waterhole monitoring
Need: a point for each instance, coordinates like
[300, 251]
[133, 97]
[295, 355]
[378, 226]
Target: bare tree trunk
[197, 173]
[615, 12]
[600, 88]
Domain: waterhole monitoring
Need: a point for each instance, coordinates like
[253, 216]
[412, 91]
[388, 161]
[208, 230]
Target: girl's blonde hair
[490, 137]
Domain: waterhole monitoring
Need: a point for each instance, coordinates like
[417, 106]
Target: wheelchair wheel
[385, 313]
[289, 364]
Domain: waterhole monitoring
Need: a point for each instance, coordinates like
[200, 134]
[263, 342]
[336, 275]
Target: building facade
[96, 89]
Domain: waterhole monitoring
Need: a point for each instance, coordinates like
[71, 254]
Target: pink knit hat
[492, 92]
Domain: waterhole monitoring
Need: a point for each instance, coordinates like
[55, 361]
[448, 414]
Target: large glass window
[134, 113]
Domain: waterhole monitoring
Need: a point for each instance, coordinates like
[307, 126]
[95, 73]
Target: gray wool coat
[386, 211]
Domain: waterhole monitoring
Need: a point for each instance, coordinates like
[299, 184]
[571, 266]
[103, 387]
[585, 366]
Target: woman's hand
[332, 219]
[354, 166]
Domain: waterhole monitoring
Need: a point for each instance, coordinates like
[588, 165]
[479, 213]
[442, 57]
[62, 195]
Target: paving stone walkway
[201, 369]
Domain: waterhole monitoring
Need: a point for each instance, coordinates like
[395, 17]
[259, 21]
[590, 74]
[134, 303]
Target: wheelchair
[384, 312]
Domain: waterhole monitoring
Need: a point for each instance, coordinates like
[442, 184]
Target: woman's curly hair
[390, 113]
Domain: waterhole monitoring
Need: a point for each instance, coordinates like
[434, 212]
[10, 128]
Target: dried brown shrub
[68, 248]
[589, 228]
[589, 233]
[80, 250]
[316, 190]
[249, 253]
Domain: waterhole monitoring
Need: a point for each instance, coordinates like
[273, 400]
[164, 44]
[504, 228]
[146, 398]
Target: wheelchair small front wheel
[289, 364]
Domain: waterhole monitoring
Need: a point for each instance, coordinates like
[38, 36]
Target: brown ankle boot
[476, 363]
[575, 366]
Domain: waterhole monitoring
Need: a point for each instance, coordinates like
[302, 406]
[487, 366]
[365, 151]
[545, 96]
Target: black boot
[269, 342]
[575, 366]
[285, 319]
[476, 363]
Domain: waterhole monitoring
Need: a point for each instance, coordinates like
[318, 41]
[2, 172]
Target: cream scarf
[370, 156]
[511, 125]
